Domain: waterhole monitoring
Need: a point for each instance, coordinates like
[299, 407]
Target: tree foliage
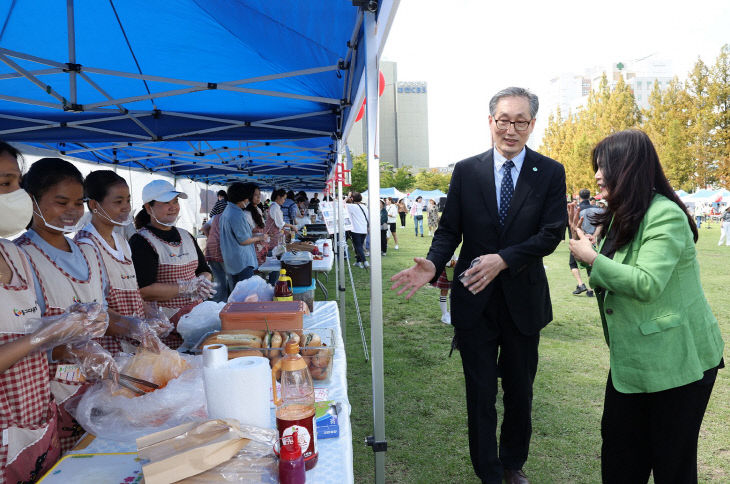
[689, 124]
[432, 180]
[400, 178]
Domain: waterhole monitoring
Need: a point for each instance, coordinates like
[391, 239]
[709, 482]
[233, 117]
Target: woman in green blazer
[664, 342]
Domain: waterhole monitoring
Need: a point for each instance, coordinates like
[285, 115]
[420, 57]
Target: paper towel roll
[215, 356]
[240, 389]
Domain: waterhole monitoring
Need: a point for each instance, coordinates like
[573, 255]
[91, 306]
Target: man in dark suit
[508, 205]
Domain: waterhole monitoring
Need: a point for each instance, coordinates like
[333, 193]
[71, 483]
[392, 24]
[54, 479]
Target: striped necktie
[506, 191]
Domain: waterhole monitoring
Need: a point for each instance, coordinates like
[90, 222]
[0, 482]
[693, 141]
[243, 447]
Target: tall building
[403, 122]
[570, 91]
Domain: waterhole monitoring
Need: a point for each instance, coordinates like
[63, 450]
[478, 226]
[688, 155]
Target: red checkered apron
[274, 234]
[213, 245]
[27, 410]
[176, 261]
[67, 290]
[123, 297]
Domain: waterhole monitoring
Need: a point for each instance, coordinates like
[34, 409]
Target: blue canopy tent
[211, 90]
[426, 194]
[390, 192]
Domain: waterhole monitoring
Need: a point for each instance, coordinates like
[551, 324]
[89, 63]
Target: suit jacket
[534, 227]
[660, 330]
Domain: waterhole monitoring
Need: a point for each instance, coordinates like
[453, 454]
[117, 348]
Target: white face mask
[20, 205]
[123, 223]
[66, 229]
[163, 223]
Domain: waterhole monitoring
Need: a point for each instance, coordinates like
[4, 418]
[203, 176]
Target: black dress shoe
[589, 293]
[580, 289]
[515, 477]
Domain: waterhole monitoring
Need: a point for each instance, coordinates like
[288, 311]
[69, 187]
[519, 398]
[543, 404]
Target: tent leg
[341, 247]
[377, 442]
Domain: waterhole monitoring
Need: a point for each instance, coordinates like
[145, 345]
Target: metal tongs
[125, 379]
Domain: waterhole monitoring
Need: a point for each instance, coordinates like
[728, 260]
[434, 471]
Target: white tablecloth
[273, 264]
[335, 455]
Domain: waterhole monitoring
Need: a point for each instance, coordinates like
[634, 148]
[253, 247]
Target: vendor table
[318, 267]
[335, 455]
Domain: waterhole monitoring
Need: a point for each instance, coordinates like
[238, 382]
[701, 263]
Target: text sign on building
[411, 88]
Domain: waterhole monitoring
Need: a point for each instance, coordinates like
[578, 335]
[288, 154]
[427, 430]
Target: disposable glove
[196, 288]
[139, 330]
[78, 325]
[157, 319]
[94, 361]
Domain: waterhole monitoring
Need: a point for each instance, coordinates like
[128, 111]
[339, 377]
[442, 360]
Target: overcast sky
[468, 49]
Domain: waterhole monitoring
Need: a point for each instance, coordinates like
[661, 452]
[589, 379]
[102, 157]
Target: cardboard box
[287, 315]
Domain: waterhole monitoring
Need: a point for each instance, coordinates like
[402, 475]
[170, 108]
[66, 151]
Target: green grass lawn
[424, 389]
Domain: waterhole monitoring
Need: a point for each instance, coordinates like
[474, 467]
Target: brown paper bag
[189, 449]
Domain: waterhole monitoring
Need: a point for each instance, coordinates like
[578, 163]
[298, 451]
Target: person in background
[236, 236]
[384, 228]
[417, 213]
[171, 268]
[289, 208]
[392, 219]
[66, 274]
[725, 227]
[302, 218]
[359, 219]
[506, 207]
[314, 203]
[665, 343]
[433, 217]
[275, 226]
[110, 205]
[444, 286]
[255, 218]
[214, 259]
[28, 410]
[402, 211]
[220, 205]
[580, 288]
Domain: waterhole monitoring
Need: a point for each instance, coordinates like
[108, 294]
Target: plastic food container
[286, 315]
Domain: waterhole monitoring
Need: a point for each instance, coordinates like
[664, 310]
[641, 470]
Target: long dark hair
[253, 209]
[632, 175]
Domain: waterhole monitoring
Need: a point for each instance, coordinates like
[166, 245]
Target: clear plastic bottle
[295, 408]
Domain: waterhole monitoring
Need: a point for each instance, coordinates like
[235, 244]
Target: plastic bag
[118, 417]
[253, 285]
[201, 320]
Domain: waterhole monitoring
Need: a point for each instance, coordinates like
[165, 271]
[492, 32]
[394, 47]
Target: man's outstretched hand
[415, 277]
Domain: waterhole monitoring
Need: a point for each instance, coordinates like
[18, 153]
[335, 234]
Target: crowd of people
[119, 285]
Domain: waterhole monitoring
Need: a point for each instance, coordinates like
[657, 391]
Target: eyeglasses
[504, 124]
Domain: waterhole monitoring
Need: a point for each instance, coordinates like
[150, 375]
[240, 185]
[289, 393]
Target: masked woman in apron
[28, 413]
[67, 274]
[170, 267]
[109, 202]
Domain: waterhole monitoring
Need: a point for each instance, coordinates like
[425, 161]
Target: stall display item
[317, 348]
[299, 267]
[291, 462]
[263, 314]
[295, 408]
[282, 289]
[305, 294]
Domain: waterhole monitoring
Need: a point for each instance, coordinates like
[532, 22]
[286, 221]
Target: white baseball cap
[160, 191]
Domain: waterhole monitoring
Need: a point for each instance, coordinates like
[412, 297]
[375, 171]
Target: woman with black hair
[28, 410]
[255, 218]
[170, 267]
[65, 274]
[109, 201]
[665, 343]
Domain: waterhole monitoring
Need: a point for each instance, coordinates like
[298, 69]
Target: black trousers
[384, 241]
[645, 432]
[496, 342]
[357, 243]
[402, 216]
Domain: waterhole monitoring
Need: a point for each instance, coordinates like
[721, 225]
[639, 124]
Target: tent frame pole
[71, 48]
[377, 441]
[341, 243]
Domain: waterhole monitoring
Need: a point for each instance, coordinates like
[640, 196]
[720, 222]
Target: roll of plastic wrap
[215, 356]
[240, 389]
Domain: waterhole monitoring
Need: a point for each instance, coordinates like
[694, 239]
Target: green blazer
[659, 328]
